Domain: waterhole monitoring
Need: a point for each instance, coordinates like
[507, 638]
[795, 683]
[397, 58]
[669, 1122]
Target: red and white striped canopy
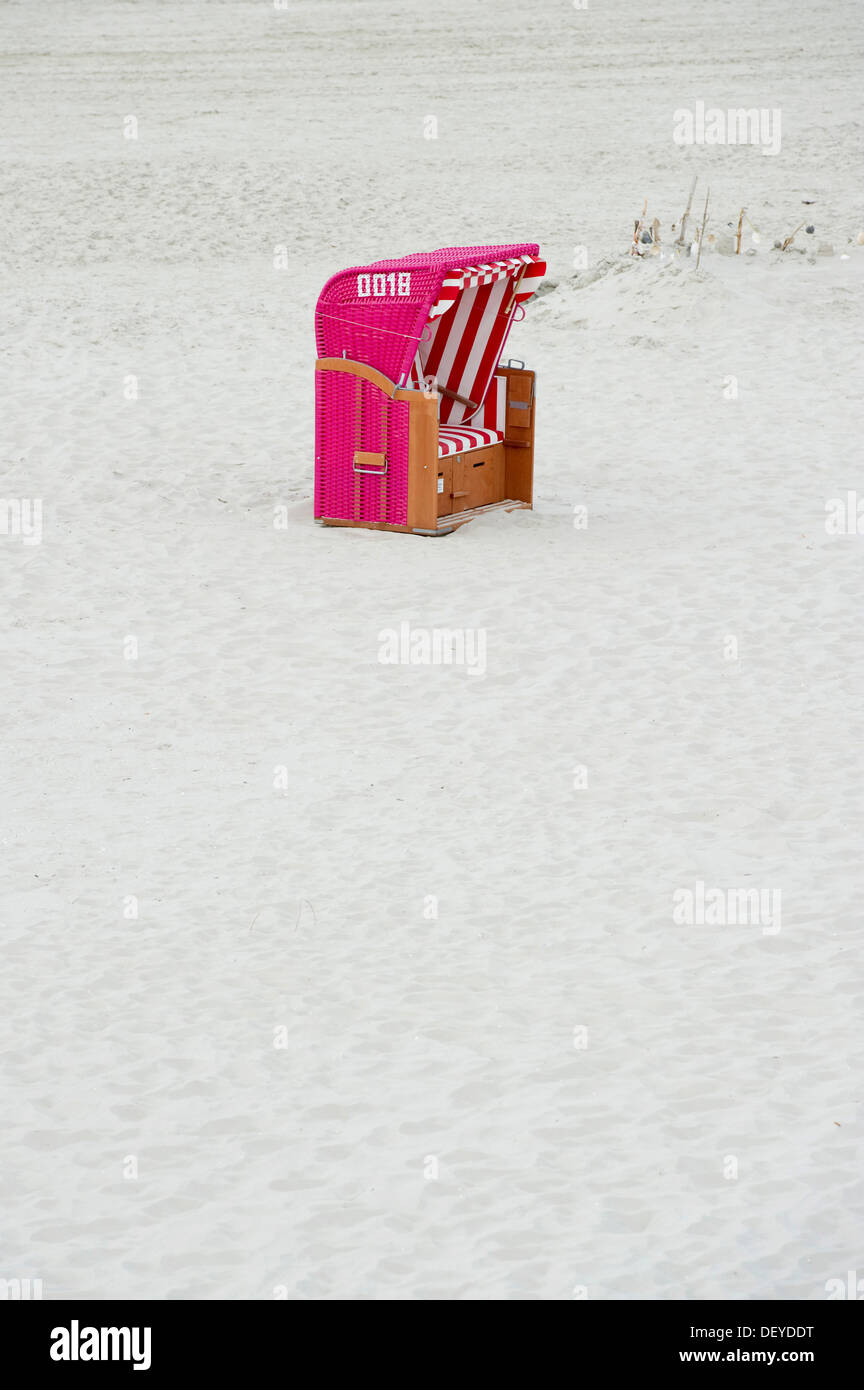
[472, 275]
[467, 328]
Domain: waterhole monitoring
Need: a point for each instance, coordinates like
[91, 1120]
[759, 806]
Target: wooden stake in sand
[637, 231]
[686, 217]
[789, 240]
[702, 231]
[740, 225]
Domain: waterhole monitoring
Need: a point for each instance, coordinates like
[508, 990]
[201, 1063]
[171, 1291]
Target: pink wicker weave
[378, 315]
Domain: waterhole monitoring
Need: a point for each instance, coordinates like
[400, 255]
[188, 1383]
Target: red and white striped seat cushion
[459, 439]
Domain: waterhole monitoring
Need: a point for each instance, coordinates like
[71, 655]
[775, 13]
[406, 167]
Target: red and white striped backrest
[465, 345]
[493, 412]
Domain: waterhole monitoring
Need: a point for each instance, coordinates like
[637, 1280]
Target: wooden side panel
[422, 461]
[519, 434]
[445, 486]
[520, 404]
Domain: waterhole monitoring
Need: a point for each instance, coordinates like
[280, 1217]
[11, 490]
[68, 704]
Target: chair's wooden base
[362, 525]
[446, 524]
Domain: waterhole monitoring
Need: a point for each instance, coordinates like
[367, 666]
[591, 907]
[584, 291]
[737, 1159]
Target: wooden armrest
[344, 364]
[454, 396]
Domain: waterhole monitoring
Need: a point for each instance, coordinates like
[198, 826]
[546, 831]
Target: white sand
[302, 907]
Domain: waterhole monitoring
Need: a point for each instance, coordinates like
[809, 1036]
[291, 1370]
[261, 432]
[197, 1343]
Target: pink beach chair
[417, 425]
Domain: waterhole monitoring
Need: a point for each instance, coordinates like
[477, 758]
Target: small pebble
[810, 230]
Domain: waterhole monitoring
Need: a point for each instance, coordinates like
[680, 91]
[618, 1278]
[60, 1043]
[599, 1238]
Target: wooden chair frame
[445, 493]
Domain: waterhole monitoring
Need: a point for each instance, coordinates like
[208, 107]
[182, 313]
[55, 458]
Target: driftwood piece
[637, 230]
[686, 217]
[740, 225]
[702, 229]
[789, 240]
